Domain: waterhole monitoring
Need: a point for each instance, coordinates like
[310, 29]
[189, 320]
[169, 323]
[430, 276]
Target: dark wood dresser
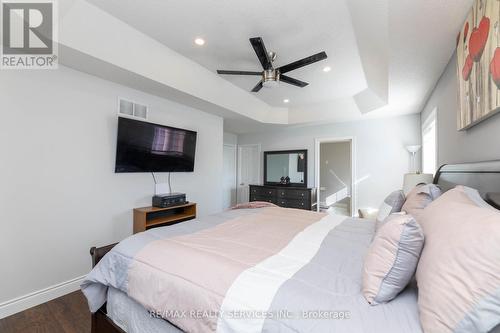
[283, 196]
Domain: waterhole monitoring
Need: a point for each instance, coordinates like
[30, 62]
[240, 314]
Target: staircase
[339, 202]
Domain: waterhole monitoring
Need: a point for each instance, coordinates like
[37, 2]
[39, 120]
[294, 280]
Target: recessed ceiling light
[286, 100]
[327, 69]
[199, 41]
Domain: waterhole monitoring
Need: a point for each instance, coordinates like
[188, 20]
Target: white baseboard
[38, 297]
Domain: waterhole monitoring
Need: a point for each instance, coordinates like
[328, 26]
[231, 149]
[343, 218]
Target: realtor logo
[28, 35]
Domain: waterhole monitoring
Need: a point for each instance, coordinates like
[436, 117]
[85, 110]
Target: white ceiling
[421, 38]
[289, 28]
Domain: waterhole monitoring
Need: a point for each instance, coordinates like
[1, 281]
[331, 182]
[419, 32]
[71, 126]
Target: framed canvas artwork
[478, 64]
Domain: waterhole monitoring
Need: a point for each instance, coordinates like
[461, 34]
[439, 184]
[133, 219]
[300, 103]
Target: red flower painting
[478, 39]
[478, 63]
[467, 70]
[466, 31]
[495, 67]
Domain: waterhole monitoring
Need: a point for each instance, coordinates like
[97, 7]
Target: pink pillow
[419, 198]
[392, 258]
[254, 204]
[458, 274]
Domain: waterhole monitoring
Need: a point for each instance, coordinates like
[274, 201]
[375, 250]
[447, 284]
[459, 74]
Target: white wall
[59, 194]
[479, 143]
[381, 159]
[230, 138]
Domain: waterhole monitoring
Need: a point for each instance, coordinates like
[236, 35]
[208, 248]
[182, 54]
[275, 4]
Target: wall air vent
[132, 109]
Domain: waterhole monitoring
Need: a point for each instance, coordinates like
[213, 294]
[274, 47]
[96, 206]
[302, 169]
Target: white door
[248, 170]
[229, 178]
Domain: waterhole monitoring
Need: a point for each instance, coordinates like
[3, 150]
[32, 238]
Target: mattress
[312, 284]
[132, 317]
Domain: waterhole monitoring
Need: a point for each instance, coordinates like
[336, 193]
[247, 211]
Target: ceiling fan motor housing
[270, 78]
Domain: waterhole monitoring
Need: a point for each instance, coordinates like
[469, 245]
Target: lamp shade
[413, 179]
[413, 148]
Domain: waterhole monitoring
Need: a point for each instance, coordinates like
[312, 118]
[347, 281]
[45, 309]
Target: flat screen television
[147, 147]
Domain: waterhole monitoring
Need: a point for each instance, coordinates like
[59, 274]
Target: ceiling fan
[272, 76]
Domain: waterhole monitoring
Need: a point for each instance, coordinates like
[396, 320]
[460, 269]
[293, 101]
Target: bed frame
[101, 323]
[483, 176]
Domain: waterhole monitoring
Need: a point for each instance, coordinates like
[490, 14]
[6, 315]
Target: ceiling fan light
[270, 84]
[270, 78]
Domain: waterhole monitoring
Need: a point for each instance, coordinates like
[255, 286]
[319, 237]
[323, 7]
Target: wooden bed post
[101, 323]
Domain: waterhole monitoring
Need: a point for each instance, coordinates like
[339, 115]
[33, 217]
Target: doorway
[229, 176]
[248, 170]
[335, 176]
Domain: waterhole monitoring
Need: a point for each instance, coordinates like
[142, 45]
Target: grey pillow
[392, 204]
[392, 258]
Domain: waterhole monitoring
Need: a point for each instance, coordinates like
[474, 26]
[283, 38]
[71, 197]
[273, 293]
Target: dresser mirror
[285, 168]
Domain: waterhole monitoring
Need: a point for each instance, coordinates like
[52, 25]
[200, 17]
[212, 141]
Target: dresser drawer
[262, 191]
[293, 194]
[262, 198]
[282, 196]
[290, 203]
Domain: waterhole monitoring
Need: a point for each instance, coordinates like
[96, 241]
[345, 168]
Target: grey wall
[479, 143]
[59, 194]
[381, 159]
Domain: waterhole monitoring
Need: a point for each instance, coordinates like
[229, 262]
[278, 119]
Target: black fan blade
[303, 62]
[260, 50]
[238, 72]
[291, 80]
[257, 87]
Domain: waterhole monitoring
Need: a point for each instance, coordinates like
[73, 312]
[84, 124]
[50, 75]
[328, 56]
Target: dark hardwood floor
[67, 314]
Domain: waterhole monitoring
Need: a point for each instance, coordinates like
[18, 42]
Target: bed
[254, 270]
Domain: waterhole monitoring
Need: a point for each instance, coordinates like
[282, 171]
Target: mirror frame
[279, 152]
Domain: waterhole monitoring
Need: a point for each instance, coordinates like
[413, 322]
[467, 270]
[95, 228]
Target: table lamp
[415, 177]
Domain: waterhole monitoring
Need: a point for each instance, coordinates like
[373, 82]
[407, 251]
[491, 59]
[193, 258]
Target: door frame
[317, 144]
[232, 145]
[238, 164]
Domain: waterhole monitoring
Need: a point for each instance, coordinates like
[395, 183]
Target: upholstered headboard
[483, 176]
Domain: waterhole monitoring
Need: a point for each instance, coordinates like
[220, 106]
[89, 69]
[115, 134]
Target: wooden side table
[149, 217]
